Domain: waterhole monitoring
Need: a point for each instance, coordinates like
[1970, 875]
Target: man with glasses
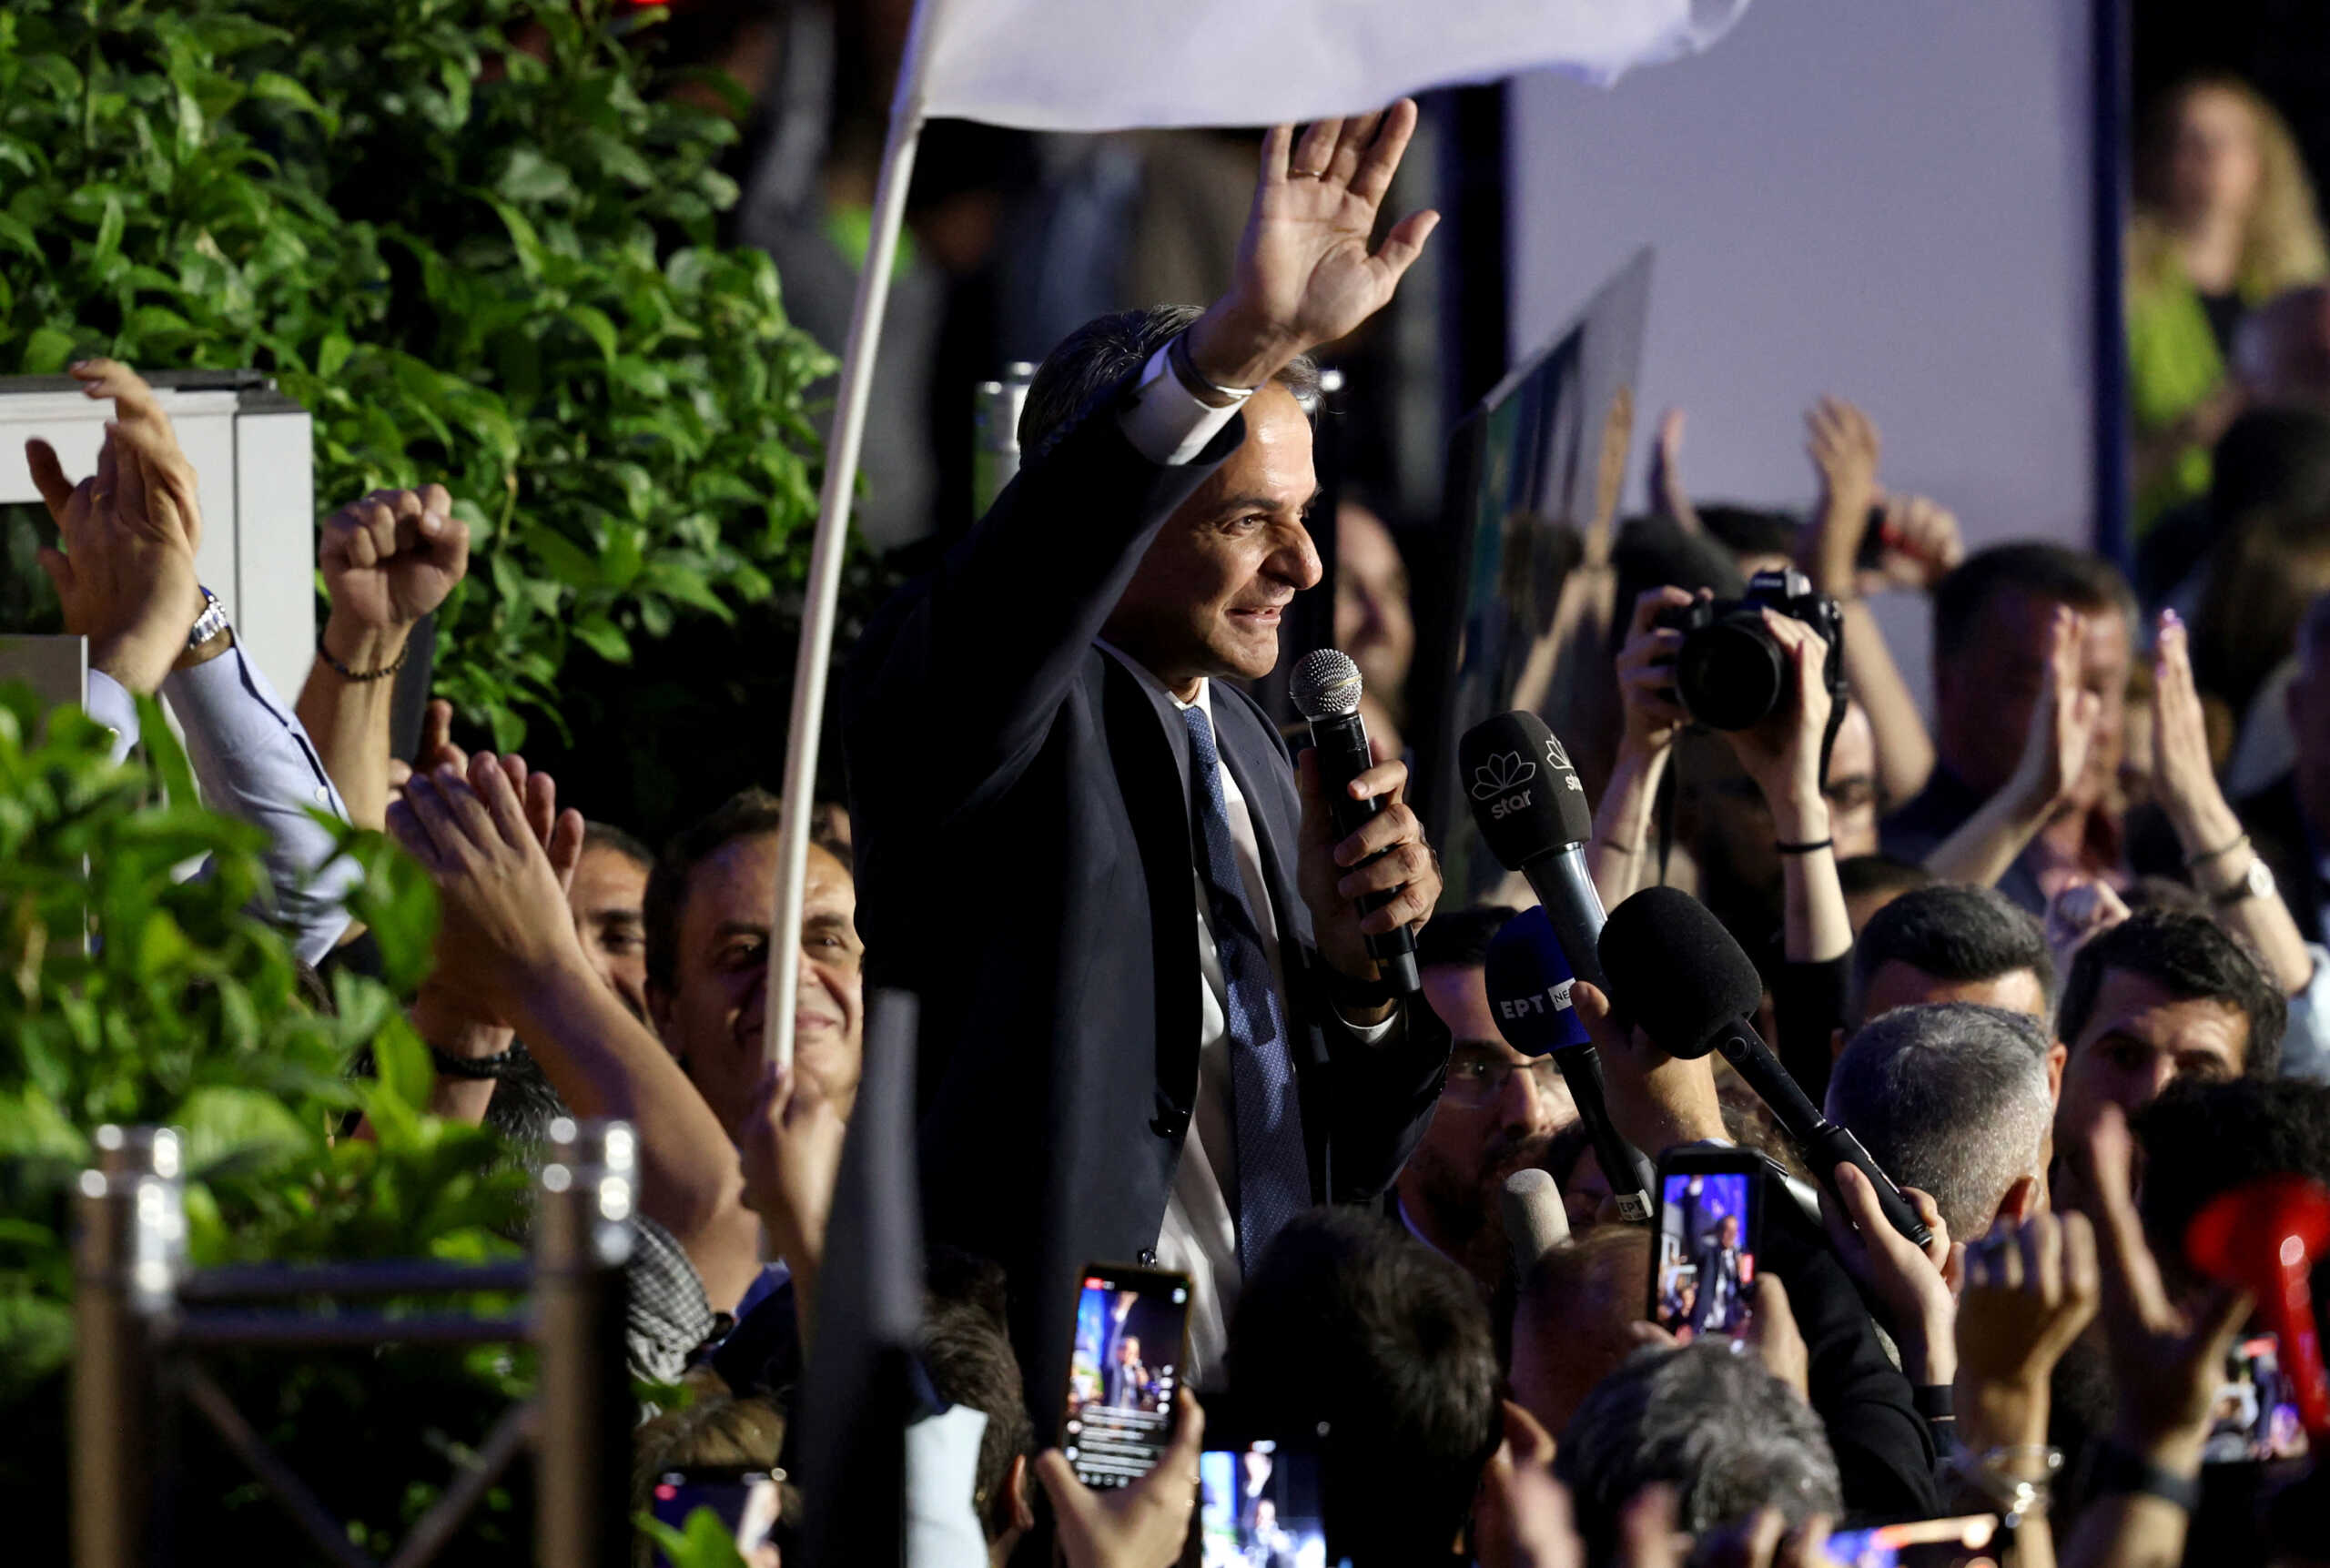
[1498, 1115]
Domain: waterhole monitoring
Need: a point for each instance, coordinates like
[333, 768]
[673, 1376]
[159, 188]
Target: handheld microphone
[1529, 982]
[1679, 975]
[1531, 812]
[1535, 1220]
[1325, 690]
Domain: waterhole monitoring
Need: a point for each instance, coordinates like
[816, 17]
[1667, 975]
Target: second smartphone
[1703, 1256]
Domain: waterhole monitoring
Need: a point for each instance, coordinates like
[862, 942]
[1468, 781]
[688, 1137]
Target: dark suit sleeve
[1884, 1449]
[972, 663]
[1380, 1096]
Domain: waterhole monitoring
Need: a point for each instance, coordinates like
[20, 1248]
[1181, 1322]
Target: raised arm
[962, 651]
[387, 560]
[2055, 752]
[510, 949]
[1616, 859]
[127, 580]
[1920, 544]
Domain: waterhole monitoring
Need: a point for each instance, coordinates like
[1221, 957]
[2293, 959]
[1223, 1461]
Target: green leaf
[562, 559]
[528, 177]
[223, 1122]
[595, 323]
[46, 351]
[109, 227]
[278, 89]
[604, 638]
[332, 353]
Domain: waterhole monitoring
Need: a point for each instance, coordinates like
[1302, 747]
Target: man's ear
[2024, 1199]
[1019, 1494]
[660, 1000]
[2057, 1055]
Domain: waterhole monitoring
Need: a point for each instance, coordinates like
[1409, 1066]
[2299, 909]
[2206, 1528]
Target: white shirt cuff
[1371, 1034]
[1164, 424]
[110, 704]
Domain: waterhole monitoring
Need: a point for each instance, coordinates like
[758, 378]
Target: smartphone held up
[1124, 1371]
[1703, 1259]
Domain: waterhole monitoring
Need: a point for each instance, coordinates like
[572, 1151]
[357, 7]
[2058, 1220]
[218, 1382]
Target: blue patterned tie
[1273, 1172]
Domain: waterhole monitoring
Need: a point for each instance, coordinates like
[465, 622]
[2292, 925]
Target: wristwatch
[209, 626]
[2257, 882]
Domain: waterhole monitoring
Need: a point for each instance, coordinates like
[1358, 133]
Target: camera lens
[1728, 675]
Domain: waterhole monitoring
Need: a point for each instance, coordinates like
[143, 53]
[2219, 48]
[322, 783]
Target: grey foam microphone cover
[1536, 1222]
[1675, 971]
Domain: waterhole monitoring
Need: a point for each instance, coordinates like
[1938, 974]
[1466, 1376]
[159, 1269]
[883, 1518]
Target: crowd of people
[2064, 981]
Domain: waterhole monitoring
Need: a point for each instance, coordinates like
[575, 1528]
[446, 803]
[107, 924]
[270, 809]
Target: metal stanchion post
[129, 1250]
[582, 1238]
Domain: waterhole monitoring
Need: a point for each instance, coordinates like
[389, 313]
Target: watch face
[2260, 878]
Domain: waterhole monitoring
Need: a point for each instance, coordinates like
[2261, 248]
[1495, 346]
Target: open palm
[1305, 273]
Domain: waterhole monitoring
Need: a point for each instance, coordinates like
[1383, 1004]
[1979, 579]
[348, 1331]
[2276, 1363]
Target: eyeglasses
[1478, 1080]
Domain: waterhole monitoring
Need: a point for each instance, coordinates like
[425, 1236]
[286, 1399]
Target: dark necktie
[1273, 1172]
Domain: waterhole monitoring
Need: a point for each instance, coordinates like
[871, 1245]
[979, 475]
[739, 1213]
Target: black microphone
[1532, 811]
[1325, 689]
[1529, 981]
[1678, 972]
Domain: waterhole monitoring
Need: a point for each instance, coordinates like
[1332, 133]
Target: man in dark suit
[2289, 820]
[1150, 1029]
[1716, 1265]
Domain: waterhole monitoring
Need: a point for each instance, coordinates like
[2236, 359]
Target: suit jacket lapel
[1256, 761]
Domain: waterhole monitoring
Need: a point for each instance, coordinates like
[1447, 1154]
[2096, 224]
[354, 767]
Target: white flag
[1110, 64]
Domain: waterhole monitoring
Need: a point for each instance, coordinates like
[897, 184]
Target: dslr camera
[1730, 672]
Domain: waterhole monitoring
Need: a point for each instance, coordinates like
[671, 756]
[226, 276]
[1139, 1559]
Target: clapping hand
[1919, 539]
[126, 576]
[387, 560]
[2031, 1288]
[1304, 274]
[2063, 724]
[501, 877]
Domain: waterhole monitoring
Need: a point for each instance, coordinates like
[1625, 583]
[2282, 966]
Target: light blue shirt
[253, 761]
[2305, 1044]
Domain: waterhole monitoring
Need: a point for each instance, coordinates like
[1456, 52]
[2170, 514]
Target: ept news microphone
[1325, 688]
[1678, 972]
[1529, 983]
[1532, 811]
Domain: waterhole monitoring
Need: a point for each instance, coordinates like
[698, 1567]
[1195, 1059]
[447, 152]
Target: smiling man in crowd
[1150, 1027]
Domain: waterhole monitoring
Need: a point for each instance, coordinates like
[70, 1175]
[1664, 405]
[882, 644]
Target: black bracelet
[1935, 1401]
[345, 674]
[476, 1068]
[1817, 844]
[2117, 1471]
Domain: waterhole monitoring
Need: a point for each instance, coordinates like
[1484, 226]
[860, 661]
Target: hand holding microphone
[1680, 975]
[1367, 872]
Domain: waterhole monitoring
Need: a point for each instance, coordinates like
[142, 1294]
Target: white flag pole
[824, 588]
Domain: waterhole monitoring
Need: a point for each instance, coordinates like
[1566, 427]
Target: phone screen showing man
[1124, 1373]
[1703, 1273]
[2255, 1415]
[1260, 1506]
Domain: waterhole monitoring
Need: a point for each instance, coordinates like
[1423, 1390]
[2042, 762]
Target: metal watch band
[210, 624]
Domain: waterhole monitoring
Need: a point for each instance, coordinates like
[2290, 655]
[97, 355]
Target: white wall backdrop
[1884, 198]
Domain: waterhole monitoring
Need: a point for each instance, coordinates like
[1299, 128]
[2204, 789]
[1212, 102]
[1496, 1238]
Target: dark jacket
[1918, 827]
[2277, 827]
[1021, 823]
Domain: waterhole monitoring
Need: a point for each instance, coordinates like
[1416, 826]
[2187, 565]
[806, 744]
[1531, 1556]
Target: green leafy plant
[132, 994]
[476, 239]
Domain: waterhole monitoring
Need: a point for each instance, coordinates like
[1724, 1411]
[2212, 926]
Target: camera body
[1730, 672]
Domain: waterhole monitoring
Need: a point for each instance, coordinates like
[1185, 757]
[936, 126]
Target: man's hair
[967, 1351]
[1109, 350]
[1859, 874]
[1956, 933]
[606, 836]
[1350, 1322]
[748, 814]
[1725, 1433]
[1460, 936]
[2201, 1139]
[2190, 957]
[2084, 580]
[1951, 1097]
